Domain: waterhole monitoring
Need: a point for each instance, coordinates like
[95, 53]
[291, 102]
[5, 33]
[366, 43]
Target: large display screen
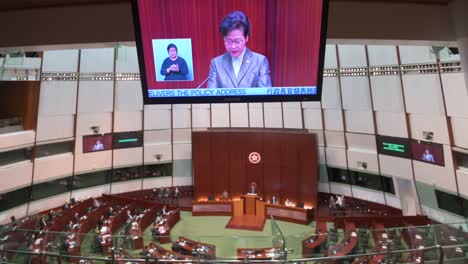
[208, 51]
[131, 139]
[394, 146]
[93, 143]
[428, 152]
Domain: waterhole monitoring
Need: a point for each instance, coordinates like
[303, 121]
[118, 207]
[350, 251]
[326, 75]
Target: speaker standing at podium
[253, 188]
[239, 67]
[250, 198]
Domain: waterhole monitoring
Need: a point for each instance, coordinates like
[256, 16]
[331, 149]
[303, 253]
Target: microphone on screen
[204, 81]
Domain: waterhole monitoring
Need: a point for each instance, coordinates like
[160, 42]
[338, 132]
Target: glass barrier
[445, 243]
[241, 247]
[278, 241]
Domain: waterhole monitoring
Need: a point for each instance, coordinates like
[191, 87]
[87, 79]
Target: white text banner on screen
[163, 93]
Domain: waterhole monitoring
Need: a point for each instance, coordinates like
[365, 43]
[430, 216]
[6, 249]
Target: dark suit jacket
[254, 72]
[273, 200]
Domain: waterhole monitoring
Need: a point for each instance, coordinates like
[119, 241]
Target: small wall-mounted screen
[428, 152]
[131, 139]
[93, 143]
[394, 146]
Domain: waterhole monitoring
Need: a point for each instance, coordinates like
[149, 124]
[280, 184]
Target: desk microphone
[204, 81]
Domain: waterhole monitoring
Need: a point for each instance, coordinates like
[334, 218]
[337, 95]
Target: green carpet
[210, 229]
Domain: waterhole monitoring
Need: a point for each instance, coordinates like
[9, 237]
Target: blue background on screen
[184, 50]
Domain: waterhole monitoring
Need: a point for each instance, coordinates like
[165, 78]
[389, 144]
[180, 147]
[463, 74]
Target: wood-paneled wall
[288, 166]
[20, 98]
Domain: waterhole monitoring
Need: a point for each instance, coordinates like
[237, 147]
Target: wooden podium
[248, 214]
[249, 203]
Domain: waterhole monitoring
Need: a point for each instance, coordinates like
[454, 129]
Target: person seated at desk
[5, 238]
[100, 222]
[161, 192]
[43, 223]
[348, 239]
[38, 244]
[75, 218]
[163, 221]
[169, 256]
[167, 193]
[163, 211]
[176, 192]
[141, 214]
[182, 242]
[129, 216]
[146, 251]
[157, 219]
[72, 202]
[135, 226]
[271, 253]
[200, 250]
[332, 202]
[96, 203]
[71, 241]
[288, 202]
[69, 226]
[225, 195]
[340, 202]
[110, 211]
[83, 218]
[158, 230]
[50, 216]
[104, 236]
[178, 246]
[273, 200]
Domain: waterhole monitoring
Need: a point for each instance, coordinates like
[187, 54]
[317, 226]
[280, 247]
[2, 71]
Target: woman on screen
[427, 156]
[98, 146]
[174, 68]
[239, 66]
